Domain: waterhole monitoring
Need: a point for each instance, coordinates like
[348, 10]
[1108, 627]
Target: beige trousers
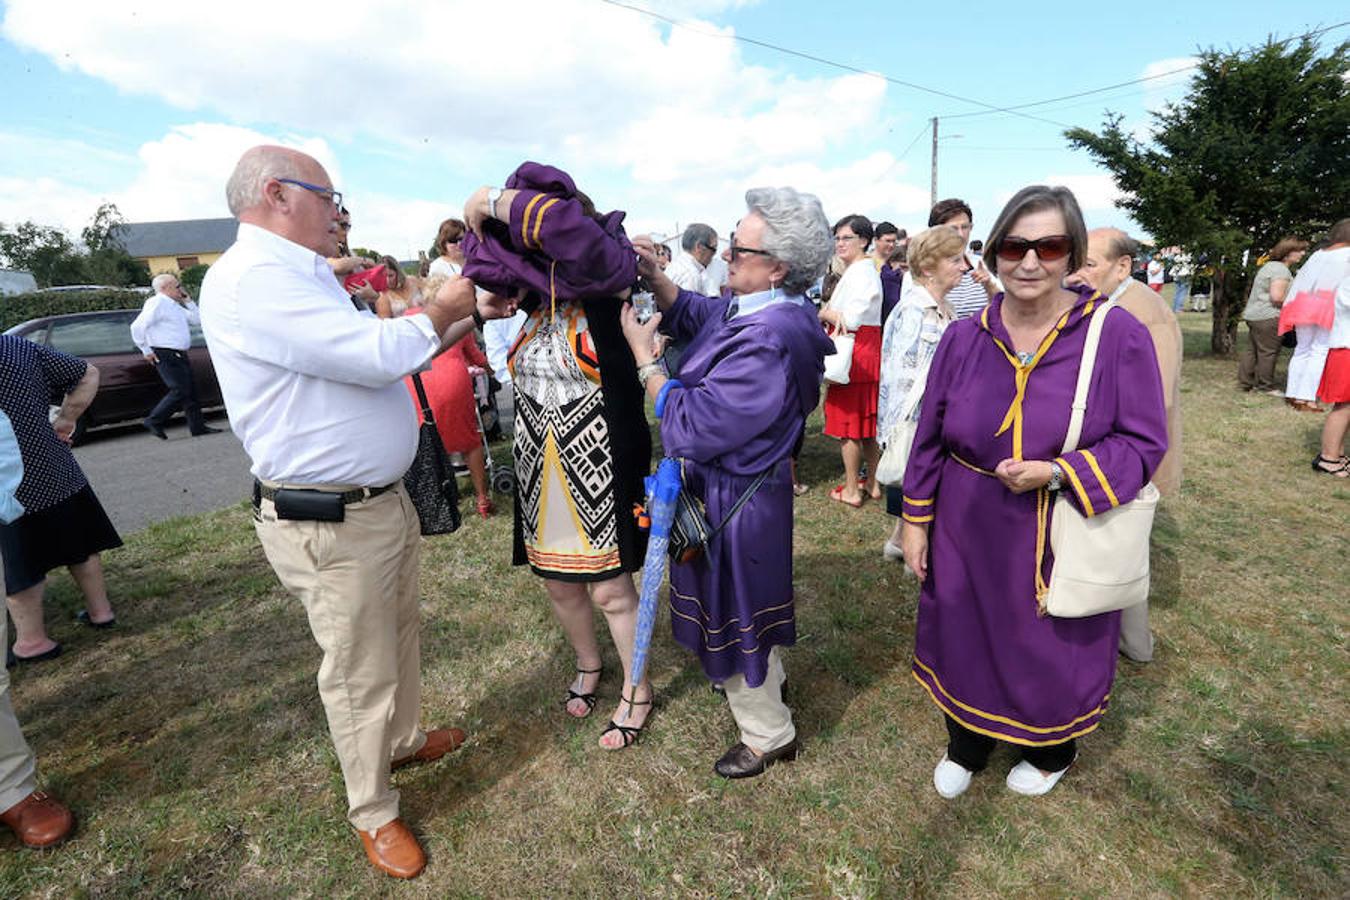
[1136, 640]
[763, 718]
[18, 774]
[357, 580]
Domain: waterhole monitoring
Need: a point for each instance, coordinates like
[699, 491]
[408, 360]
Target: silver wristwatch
[494, 194]
[1056, 478]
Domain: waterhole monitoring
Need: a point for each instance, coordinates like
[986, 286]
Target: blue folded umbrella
[663, 491]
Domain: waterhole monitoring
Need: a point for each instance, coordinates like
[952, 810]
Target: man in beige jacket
[1110, 258]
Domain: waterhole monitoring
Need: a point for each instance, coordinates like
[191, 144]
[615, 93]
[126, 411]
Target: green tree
[101, 232]
[191, 278]
[43, 250]
[1256, 150]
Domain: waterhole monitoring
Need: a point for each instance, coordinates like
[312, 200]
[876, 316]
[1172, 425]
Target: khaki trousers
[764, 719]
[357, 580]
[18, 772]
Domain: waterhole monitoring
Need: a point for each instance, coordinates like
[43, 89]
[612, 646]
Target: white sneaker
[890, 551]
[1030, 781]
[951, 779]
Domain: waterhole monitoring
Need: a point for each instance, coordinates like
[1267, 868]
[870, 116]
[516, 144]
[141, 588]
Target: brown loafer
[440, 741]
[38, 820]
[394, 850]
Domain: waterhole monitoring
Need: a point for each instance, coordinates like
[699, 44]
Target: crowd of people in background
[948, 368]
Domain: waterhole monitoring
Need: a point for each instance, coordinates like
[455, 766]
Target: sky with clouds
[412, 104]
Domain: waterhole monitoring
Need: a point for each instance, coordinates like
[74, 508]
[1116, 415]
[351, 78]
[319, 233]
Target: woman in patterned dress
[582, 447]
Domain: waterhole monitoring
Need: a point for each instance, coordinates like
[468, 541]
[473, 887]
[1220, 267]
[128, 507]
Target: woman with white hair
[733, 412]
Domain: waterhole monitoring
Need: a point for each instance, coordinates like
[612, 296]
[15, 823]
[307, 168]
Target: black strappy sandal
[630, 735]
[1336, 468]
[588, 699]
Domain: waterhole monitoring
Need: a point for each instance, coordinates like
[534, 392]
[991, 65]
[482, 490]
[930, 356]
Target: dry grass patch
[192, 744]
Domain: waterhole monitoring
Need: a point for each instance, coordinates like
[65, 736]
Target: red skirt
[1335, 386]
[851, 409]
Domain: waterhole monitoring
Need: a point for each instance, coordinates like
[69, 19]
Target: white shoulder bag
[894, 459]
[1101, 563]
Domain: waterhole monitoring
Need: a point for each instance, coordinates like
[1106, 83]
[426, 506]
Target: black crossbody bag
[690, 533]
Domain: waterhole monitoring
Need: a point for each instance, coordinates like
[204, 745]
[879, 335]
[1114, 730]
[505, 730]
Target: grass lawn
[193, 748]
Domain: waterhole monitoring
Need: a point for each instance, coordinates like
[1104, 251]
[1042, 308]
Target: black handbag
[430, 480]
[690, 533]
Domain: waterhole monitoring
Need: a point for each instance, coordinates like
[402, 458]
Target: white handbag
[840, 363]
[1101, 563]
[891, 466]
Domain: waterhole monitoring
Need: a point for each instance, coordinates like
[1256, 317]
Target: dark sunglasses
[1048, 249]
[735, 251]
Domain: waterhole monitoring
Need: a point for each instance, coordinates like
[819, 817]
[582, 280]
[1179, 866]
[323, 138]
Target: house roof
[184, 237]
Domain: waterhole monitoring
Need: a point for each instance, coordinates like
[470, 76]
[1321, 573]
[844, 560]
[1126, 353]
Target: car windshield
[94, 336]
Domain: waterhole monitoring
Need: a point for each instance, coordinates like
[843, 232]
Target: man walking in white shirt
[162, 333]
[314, 388]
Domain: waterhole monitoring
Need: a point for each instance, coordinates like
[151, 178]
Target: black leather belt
[356, 495]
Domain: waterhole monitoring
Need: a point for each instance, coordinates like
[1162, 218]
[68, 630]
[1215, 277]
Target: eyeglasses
[1048, 249]
[709, 247]
[735, 251]
[845, 238]
[335, 196]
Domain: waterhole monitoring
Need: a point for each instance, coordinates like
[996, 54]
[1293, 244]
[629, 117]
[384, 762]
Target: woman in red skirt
[1335, 391]
[851, 409]
[449, 387]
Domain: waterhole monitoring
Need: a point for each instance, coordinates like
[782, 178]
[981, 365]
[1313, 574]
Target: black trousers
[176, 373]
[971, 750]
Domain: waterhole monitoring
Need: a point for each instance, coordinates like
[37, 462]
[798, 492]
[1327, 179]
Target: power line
[831, 63]
[1110, 87]
[922, 131]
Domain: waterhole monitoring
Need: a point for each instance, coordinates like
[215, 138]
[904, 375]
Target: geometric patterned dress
[562, 448]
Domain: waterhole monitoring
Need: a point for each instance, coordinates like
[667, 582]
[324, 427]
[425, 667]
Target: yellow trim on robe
[996, 734]
[912, 502]
[704, 612]
[1077, 485]
[1021, 377]
[917, 520]
[1101, 477]
[733, 641]
[525, 220]
[539, 220]
[971, 466]
[1004, 719]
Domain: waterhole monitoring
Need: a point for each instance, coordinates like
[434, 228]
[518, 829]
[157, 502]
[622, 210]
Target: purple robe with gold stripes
[982, 650]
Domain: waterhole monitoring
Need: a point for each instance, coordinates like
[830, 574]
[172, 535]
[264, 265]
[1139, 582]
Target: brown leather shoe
[439, 742]
[38, 820]
[394, 850]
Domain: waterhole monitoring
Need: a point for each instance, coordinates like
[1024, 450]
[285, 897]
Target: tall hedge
[18, 308]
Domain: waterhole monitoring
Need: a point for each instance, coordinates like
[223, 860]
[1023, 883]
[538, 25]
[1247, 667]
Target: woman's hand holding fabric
[1022, 475]
[914, 544]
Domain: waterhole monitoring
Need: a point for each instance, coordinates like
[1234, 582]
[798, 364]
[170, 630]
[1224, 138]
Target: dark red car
[128, 386]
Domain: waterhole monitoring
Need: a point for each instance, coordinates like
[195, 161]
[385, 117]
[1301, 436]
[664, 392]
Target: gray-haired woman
[733, 412]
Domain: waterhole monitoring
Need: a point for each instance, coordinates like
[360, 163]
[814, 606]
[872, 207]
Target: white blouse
[858, 295]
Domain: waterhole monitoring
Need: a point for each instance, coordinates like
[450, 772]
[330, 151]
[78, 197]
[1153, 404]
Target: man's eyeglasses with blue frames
[335, 196]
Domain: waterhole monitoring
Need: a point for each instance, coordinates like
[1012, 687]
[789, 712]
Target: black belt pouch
[308, 506]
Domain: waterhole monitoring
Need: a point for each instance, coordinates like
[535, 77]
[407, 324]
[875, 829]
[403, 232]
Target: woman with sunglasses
[449, 259]
[851, 409]
[734, 411]
[986, 463]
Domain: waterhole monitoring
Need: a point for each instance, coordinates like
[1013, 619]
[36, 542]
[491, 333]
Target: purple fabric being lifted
[510, 254]
[982, 651]
[748, 384]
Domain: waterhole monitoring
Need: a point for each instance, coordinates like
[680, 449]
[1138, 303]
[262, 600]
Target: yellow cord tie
[1021, 376]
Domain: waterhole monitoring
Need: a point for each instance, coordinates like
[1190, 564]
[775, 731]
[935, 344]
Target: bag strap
[1085, 367]
[749, 492]
[422, 398]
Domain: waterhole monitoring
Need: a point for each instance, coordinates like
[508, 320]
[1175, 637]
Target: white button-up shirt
[691, 275]
[164, 322]
[314, 388]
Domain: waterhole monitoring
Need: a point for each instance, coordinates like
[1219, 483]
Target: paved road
[141, 480]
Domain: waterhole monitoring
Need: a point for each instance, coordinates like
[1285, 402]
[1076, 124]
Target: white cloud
[180, 176]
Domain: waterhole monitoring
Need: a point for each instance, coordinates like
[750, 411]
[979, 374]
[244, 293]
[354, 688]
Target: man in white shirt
[315, 392]
[691, 272]
[163, 335]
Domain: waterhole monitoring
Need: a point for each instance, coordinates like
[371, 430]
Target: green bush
[22, 307]
[191, 279]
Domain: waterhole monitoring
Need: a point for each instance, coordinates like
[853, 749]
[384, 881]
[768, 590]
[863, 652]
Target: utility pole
[932, 188]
